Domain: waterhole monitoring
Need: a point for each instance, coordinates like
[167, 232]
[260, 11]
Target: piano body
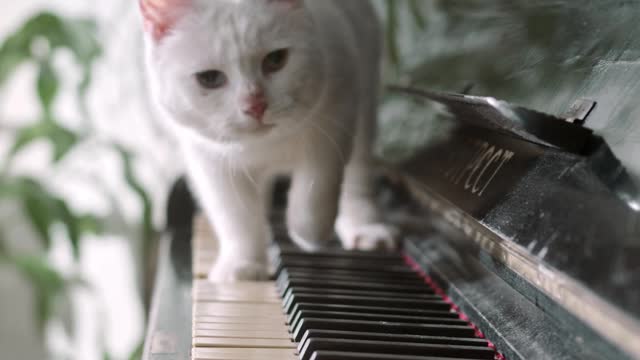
[521, 222]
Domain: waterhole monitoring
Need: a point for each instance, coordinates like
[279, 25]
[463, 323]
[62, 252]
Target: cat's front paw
[231, 270]
[369, 237]
[308, 243]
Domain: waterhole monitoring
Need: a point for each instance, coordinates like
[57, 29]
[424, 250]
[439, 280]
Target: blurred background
[85, 169]
[83, 176]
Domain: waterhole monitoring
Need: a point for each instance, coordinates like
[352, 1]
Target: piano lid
[564, 133]
[560, 208]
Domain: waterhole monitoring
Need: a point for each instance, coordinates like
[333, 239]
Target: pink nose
[257, 106]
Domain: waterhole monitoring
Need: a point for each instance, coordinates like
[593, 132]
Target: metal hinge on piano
[512, 241]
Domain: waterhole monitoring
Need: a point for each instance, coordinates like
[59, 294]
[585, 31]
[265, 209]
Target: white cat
[255, 88]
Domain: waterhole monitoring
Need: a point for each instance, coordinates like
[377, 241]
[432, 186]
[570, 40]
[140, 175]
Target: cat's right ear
[160, 16]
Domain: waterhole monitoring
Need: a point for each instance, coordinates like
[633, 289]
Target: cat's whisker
[333, 142]
[248, 174]
[236, 193]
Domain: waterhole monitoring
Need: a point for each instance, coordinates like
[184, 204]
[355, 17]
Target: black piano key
[406, 283]
[332, 291]
[372, 317]
[348, 265]
[286, 259]
[380, 327]
[393, 260]
[365, 301]
[337, 334]
[333, 253]
[318, 276]
[413, 349]
[338, 355]
[302, 271]
[284, 284]
[335, 299]
[350, 275]
[365, 280]
[371, 310]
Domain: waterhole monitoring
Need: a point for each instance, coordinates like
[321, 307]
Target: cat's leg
[234, 206]
[313, 198]
[359, 224]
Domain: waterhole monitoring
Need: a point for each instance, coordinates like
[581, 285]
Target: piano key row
[342, 306]
[331, 305]
[242, 321]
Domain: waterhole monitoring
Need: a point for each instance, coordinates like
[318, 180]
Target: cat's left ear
[161, 15]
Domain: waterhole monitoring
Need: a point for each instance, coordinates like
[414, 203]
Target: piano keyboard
[332, 305]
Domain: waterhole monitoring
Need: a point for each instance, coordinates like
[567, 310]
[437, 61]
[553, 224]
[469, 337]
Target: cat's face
[233, 70]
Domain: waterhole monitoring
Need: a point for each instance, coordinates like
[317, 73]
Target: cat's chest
[274, 157]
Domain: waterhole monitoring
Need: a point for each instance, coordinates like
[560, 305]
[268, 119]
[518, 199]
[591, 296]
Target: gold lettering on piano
[477, 174]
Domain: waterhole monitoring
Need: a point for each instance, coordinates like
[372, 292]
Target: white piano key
[243, 354]
[236, 309]
[260, 287]
[263, 327]
[240, 320]
[280, 333]
[204, 298]
[205, 247]
[244, 292]
[245, 343]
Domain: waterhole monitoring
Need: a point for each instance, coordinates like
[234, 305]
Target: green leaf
[3, 246]
[76, 225]
[71, 224]
[47, 284]
[40, 213]
[89, 224]
[77, 35]
[61, 139]
[47, 85]
[9, 188]
[27, 135]
[147, 221]
[392, 25]
[416, 11]
[9, 62]
[44, 210]
[83, 92]
[137, 353]
[81, 39]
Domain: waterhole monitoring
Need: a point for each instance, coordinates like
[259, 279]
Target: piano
[520, 212]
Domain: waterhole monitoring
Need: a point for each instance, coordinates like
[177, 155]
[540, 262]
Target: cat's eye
[275, 61]
[211, 79]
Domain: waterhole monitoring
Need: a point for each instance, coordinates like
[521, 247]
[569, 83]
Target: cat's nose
[256, 106]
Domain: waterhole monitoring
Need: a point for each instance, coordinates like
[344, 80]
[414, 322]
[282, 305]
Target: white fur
[322, 106]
